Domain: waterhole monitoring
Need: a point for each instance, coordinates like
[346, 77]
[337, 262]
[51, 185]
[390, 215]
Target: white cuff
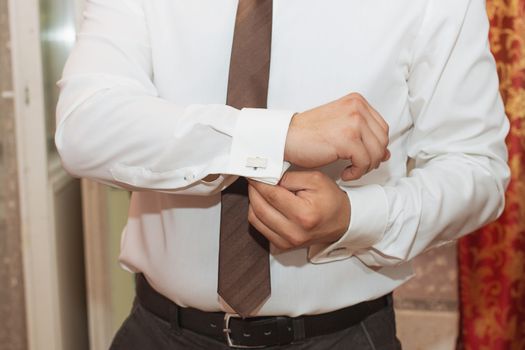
[368, 220]
[258, 144]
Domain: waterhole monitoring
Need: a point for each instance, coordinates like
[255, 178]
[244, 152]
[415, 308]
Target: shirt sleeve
[113, 127]
[457, 144]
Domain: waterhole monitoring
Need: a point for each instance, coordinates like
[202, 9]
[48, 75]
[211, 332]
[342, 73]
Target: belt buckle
[227, 331]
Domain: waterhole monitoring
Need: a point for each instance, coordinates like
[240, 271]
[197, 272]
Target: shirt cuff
[368, 220]
[258, 144]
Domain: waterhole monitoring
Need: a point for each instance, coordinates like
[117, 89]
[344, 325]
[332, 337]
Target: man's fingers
[278, 197]
[273, 237]
[380, 120]
[378, 127]
[387, 155]
[373, 113]
[375, 149]
[385, 139]
[291, 230]
[268, 214]
[358, 100]
[380, 133]
[360, 162]
[300, 216]
[375, 121]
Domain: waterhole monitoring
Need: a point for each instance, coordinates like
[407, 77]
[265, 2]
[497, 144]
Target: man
[158, 97]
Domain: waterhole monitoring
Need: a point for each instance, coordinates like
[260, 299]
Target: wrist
[343, 219]
[290, 140]
[346, 213]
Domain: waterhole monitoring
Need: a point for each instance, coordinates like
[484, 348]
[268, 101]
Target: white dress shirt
[142, 107]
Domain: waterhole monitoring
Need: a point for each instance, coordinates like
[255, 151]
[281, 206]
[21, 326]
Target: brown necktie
[244, 268]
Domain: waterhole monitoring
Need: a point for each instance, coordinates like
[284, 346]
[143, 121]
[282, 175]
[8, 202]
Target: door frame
[96, 252]
[40, 176]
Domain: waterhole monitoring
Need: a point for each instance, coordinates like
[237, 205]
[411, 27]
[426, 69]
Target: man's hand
[348, 128]
[306, 208]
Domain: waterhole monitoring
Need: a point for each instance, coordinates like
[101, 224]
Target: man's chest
[321, 50]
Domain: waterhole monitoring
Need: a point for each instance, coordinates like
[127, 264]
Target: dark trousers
[144, 331]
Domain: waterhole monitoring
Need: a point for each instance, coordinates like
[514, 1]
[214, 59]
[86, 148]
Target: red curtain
[492, 261]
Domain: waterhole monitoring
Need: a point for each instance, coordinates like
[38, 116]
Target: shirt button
[189, 177]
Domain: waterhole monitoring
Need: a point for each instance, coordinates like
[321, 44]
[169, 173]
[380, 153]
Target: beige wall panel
[427, 305]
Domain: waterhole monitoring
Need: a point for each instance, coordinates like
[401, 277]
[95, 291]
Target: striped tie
[244, 268]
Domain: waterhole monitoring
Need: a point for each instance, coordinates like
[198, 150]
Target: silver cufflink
[256, 162]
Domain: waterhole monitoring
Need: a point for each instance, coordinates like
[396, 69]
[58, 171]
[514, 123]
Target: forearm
[115, 126]
[124, 136]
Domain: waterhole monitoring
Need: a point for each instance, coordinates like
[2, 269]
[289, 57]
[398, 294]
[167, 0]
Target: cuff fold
[258, 144]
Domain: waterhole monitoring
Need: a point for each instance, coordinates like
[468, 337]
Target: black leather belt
[256, 332]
